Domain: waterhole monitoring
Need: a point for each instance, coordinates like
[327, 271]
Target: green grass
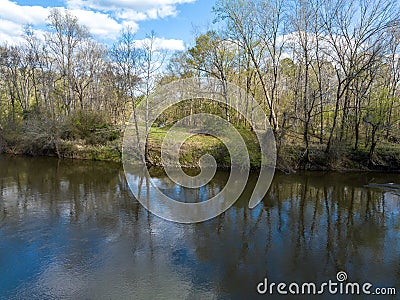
[200, 144]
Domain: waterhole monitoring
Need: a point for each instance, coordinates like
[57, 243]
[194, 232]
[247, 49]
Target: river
[72, 229]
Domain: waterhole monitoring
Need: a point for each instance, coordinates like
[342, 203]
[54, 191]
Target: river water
[72, 229]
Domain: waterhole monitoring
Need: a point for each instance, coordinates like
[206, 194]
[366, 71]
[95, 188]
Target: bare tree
[355, 32]
[127, 57]
[89, 64]
[63, 41]
[239, 16]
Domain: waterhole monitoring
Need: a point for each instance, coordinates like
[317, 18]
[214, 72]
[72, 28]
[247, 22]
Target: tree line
[326, 72]
[67, 71]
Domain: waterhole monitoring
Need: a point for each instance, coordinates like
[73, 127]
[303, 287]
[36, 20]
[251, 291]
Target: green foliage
[91, 127]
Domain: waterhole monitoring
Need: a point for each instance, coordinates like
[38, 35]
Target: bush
[40, 135]
[35, 134]
[89, 126]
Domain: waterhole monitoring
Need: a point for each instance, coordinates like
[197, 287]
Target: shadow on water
[73, 229]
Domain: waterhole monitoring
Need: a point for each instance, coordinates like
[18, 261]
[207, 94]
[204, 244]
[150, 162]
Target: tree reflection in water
[73, 229]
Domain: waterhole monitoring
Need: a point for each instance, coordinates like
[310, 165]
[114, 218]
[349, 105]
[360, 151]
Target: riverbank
[291, 157]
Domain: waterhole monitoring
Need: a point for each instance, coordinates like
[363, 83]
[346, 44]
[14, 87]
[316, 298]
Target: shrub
[89, 126]
[40, 134]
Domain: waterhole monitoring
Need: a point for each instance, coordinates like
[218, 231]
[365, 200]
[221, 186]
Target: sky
[174, 22]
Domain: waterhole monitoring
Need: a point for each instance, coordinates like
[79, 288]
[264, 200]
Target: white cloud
[131, 10]
[11, 11]
[8, 27]
[99, 24]
[9, 40]
[14, 17]
[162, 44]
[132, 15]
[131, 24]
[111, 5]
[10, 32]
[104, 18]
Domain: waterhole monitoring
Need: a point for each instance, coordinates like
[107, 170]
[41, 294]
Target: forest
[326, 73]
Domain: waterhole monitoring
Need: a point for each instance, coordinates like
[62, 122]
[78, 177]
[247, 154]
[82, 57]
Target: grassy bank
[290, 156]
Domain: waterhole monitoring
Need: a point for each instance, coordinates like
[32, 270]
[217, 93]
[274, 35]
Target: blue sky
[173, 21]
